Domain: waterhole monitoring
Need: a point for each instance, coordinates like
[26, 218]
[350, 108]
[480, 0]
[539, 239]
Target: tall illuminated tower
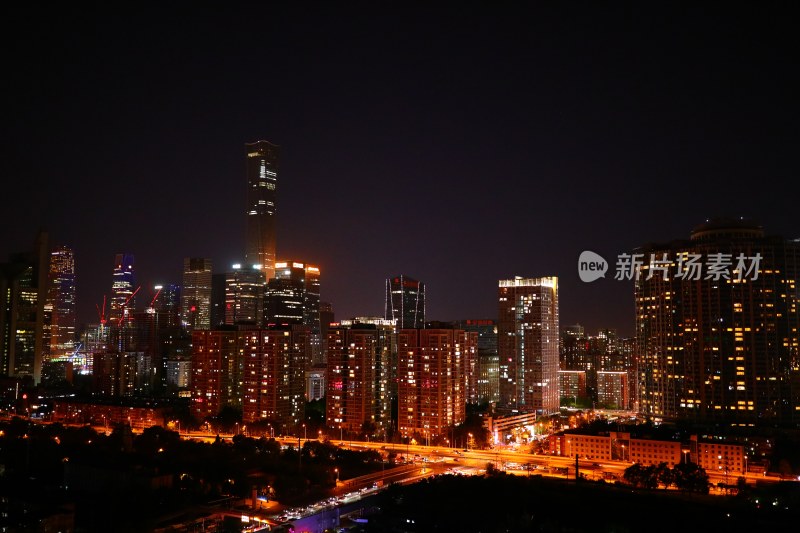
[196, 293]
[262, 159]
[61, 299]
[405, 302]
[528, 339]
[122, 287]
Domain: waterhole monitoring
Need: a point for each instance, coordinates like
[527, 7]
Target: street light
[623, 452]
[305, 435]
[337, 476]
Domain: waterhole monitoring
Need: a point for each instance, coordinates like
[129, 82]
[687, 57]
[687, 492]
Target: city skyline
[498, 143]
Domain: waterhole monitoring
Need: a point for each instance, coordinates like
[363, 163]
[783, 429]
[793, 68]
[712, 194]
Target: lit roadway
[526, 463]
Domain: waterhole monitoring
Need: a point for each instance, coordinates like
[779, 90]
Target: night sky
[456, 146]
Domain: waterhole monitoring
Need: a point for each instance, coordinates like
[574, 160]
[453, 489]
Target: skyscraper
[196, 293]
[23, 291]
[405, 302]
[275, 363]
[431, 370]
[286, 294]
[122, 288]
[61, 299]
[360, 357]
[528, 343]
[293, 298]
[244, 296]
[484, 378]
[717, 326]
[261, 161]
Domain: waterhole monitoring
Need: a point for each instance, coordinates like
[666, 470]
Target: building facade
[244, 296]
[23, 293]
[405, 302]
[61, 300]
[528, 344]
[123, 286]
[432, 386]
[275, 364]
[261, 164]
[217, 368]
[485, 376]
[719, 344]
[196, 293]
[358, 376]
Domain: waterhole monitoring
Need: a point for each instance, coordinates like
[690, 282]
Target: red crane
[101, 313]
[153, 301]
[123, 306]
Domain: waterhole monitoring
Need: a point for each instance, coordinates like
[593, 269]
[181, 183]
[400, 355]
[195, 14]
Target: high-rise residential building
[23, 291]
[114, 373]
[122, 288]
[261, 160]
[360, 358]
[591, 354]
[405, 302]
[572, 386]
[217, 371]
[244, 296]
[717, 326]
[528, 344]
[61, 300]
[573, 348]
[196, 293]
[612, 389]
[275, 365]
[431, 380]
[485, 377]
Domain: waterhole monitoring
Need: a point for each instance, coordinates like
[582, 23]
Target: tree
[691, 477]
[665, 475]
[368, 428]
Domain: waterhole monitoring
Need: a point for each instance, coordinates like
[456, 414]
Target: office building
[196, 293]
[61, 301]
[292, 297]
[405, 302]
[122, 289]
[326, 316]
[528, 344]
[261, 160]
[23, 292]
[717, 326]
[218, 282]
[244, 296]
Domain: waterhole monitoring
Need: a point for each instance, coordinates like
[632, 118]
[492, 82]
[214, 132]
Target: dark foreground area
[503, 503]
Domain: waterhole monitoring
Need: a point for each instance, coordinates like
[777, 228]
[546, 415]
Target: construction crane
[101, 313]
[123, 308]
[152, 308]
